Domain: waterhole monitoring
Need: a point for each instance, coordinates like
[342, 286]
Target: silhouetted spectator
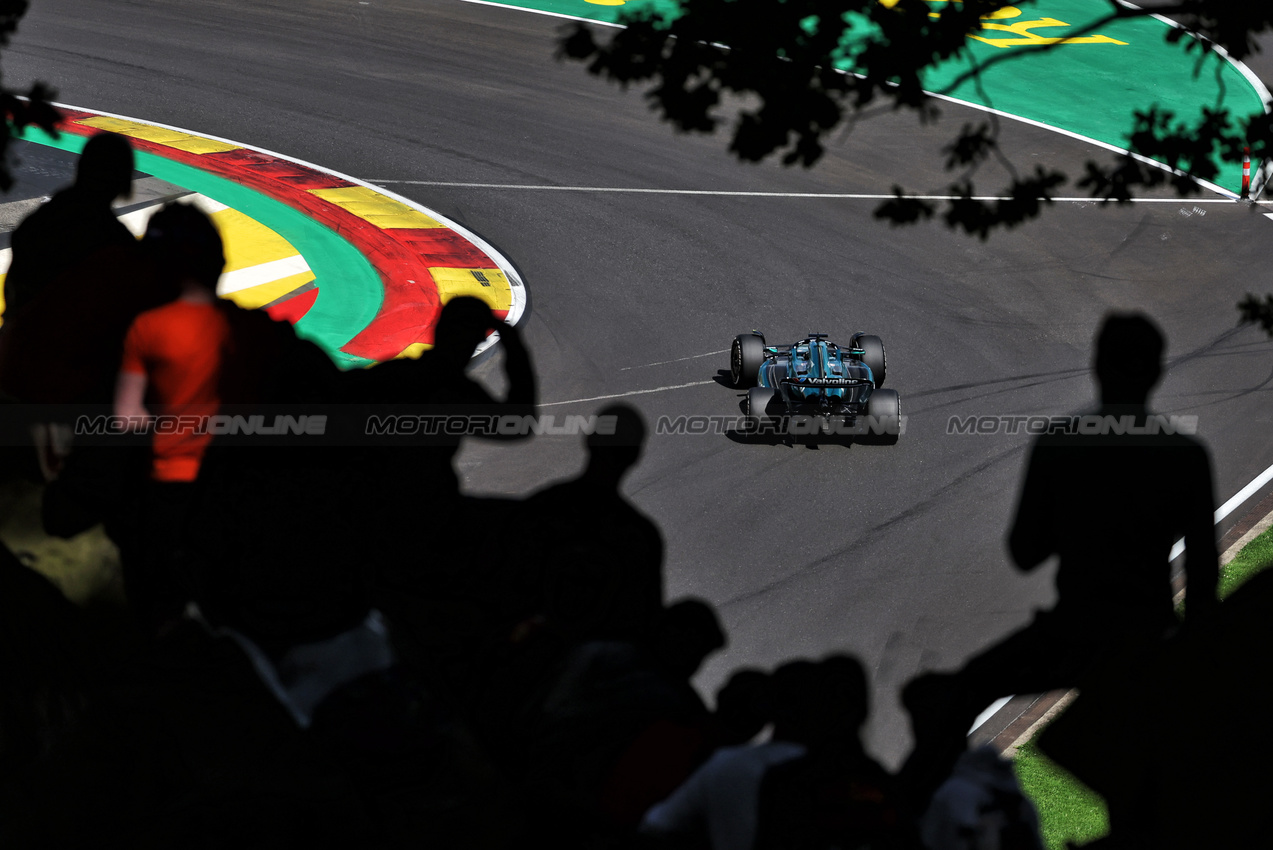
[810, 785]
[77, 281]
[743, 707]
[834, 794]
[379, 521]
[434, 556]
[981, 805]
[717, 807]
[171, 368]
[601, 559]
[276, 543]
[1179, 747]
[173, 353]
[621, 726]
[280, 549]
[46, 659]
[183, 740]
[74, 224]
[425, 778]
[1111, 506]
[585, 565]
[437, 385]
[64, 344]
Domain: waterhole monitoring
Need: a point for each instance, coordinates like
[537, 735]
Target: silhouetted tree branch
[20, 109]
[780, 58]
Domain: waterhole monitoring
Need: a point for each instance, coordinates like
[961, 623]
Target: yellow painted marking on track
[490, 285]
[248, 245]
[251, 245]
[159, 135]
[1025, 36]
[1020, 29]
[248, 242]
[380, 210]
[413, 351]
[255, 297]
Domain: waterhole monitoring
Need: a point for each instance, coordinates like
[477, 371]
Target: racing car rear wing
[827, 382]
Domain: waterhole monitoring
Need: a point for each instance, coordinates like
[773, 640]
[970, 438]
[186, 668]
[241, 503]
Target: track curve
[893, 553]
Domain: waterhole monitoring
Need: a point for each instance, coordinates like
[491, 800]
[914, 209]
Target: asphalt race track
[893, 553]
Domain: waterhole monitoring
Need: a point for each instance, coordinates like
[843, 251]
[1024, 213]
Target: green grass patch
[1070, 812]
[85, 567]
[1254, 557]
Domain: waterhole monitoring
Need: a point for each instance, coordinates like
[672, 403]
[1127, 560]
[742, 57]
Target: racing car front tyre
[746, 356]
[873, 356]
[758, 400]
[884, 408]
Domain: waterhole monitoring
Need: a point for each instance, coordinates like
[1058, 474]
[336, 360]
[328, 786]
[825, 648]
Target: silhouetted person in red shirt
[171, 368]
[173, 353]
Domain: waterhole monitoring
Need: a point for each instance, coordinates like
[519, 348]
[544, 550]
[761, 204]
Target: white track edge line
[1257, 186]
[625, 395]
[561, 15]
[857, 196]
[1242, 69]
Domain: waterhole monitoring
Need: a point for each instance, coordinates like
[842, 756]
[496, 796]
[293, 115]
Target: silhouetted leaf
[903, 210]
[1254, 309]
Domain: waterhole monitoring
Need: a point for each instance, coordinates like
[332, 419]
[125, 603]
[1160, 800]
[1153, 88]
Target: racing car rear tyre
[873, 356]
[885, 408]
[746, 356]
[758, 400]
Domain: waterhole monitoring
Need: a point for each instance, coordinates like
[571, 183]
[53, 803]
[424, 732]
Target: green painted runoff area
[350, 290]
[1091, 87]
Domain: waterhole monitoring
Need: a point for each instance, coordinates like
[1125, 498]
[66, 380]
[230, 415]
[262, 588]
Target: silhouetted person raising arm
[429, 550]
[437, 386]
